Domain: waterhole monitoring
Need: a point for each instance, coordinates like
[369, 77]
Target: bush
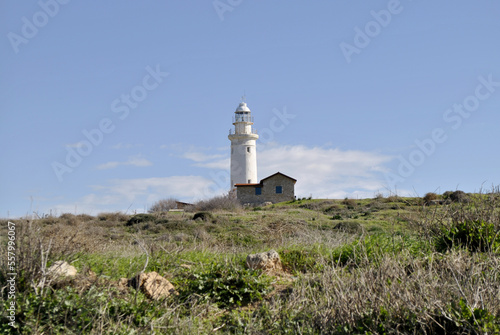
[69, 218]
[85, 217]
[163, 205]
[350, 227]
[68, 311]
[113, 216]
[392, 198]
[140, 218]
[227, 202]
[204, 216]
[228, 286]
[429, 198]
[35, 249]
[331, 209]
[472, 235]
[456, 196]
[301, 261]
[473, 224]
[350, 203]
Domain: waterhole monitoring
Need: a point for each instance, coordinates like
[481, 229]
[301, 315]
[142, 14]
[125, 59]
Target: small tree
[163, 205]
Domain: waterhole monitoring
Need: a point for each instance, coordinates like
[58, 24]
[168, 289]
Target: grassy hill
[384, 265]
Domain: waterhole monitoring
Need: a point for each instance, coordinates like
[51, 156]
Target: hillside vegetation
[371, 266]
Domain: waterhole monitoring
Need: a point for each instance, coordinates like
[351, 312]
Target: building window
[249, 181]
[258, 190]
[279, 189]
[248, 149]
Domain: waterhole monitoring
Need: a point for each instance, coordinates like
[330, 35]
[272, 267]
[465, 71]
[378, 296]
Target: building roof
[261, 182]
[279, 173]
[242, 107]
[183, 203]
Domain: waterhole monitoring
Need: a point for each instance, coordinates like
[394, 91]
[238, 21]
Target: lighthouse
[243, 148]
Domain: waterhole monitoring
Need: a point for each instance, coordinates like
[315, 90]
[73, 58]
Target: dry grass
[400, 293]
[392, 281]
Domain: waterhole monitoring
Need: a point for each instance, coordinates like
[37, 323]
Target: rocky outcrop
[267, 261]
[152, 285]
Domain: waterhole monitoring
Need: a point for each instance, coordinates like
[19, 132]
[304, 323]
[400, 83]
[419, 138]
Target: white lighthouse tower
[243, 148]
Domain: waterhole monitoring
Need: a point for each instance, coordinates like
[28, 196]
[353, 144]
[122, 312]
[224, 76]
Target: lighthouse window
[258, 190]
[248, 149]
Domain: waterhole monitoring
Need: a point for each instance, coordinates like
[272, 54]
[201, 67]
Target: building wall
[246, 194]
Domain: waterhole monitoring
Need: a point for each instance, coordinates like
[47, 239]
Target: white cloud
[323, 172]
[138, 194]
[203, 157]
[326, 172]
[200, 156]
[221, 164]
[133, 161]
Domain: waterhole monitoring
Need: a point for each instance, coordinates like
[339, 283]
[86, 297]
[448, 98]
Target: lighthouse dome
[242, 108]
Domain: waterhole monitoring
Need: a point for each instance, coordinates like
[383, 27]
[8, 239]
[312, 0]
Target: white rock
[153, 285]
[61, 269]
[267, 261]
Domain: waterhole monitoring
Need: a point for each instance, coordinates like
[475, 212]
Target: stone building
[275, 188]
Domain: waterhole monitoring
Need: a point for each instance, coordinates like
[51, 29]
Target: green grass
[360, 266]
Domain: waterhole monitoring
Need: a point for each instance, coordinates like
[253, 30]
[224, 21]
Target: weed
[228, 285]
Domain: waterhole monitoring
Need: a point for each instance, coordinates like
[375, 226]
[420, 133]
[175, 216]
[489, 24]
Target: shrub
[350, 203]
[429, 198]
[473, 224]
[331, 209]
[228, 286]
[223, 202]
[67, 311]
[85, 217]
[350, 227]
[473, 235]
[113, 216]
[35, 249]
[297, 261]
[456, 196]
[204, 216]
[163, 205]
[69, 218]
[140, 218]
[392, 198]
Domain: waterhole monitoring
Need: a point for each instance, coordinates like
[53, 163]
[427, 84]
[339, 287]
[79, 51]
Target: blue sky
[351, 98]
